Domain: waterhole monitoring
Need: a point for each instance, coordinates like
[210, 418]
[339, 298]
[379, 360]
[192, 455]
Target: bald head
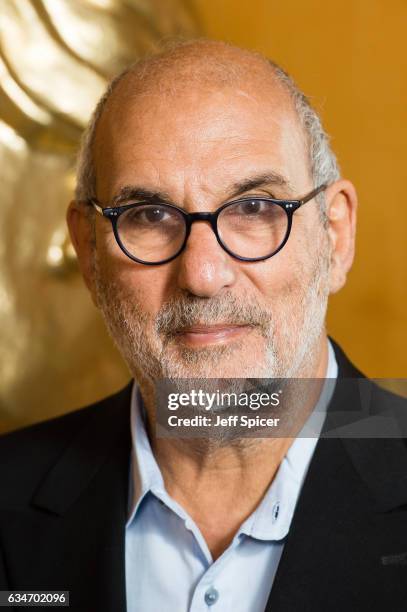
[193, 64]
[197, 66]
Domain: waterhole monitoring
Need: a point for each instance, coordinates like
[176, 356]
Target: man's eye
[154, 215]
[252, 207]
[148, 215]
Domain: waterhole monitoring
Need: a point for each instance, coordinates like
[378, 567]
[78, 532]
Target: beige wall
[350, 57]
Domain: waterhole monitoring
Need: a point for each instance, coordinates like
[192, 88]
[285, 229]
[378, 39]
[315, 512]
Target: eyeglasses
[248, 229]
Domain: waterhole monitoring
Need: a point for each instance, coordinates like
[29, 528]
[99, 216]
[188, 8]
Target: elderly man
[211, 225]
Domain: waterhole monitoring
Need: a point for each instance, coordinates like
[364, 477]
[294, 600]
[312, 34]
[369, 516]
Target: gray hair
[323, 163]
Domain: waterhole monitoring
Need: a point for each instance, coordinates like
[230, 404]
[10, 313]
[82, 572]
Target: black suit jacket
[63, 504]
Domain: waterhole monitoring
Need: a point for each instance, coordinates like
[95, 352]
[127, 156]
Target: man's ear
[81, 231]
[341, 205]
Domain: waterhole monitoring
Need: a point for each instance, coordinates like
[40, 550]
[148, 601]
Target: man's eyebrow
[260, 180]
[134, 192]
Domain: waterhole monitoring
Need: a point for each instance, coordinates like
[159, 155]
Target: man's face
[206, 314]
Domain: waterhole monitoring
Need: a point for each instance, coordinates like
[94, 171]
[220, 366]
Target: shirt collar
[281, 497]
[145, 475]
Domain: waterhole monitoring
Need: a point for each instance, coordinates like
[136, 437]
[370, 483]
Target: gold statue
[56, 57]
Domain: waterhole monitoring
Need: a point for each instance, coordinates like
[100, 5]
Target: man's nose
[204, 267]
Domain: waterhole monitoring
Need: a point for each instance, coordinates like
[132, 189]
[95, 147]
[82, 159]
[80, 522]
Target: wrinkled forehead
[205, 129]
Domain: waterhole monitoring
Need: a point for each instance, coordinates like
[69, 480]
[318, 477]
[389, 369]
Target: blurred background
[56, 56]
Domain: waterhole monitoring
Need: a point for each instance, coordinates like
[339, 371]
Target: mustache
[186, 310]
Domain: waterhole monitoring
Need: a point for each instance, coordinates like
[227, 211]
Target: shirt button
[211, 596]
[275, 511]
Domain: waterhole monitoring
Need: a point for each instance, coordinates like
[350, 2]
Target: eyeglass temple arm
[313, 193]
[96, 206]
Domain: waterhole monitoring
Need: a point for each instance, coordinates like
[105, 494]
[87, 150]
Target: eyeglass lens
[156, 232]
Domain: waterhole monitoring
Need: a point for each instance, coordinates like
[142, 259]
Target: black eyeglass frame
[289, 206]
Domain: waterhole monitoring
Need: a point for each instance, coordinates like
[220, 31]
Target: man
[95, 502]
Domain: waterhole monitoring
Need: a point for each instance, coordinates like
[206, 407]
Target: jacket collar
[381, 463]
[341, 530]
[108, 422]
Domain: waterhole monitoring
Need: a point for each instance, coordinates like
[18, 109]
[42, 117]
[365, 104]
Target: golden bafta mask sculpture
[56, 57]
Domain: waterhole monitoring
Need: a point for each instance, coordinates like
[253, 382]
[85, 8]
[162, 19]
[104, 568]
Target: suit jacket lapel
[72, 535]
[334, 555]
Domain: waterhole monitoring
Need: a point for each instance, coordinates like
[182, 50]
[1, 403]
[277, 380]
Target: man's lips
[199, 335]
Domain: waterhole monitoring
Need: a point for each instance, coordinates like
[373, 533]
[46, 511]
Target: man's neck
[210, 487]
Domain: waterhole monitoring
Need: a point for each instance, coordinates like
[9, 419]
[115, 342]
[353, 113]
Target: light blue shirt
[169, 567]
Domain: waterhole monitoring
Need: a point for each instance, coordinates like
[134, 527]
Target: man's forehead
[206, 111]
[191, 70]
[234, 106]
[198, 150]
